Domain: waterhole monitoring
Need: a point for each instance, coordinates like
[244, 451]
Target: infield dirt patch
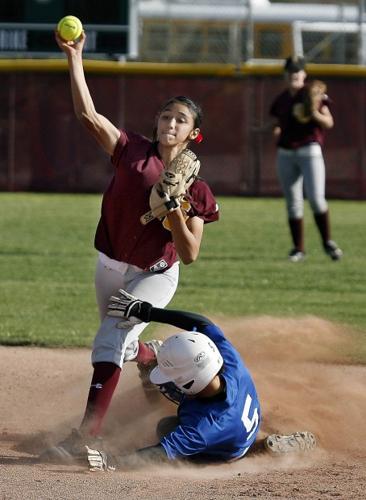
[304, 383]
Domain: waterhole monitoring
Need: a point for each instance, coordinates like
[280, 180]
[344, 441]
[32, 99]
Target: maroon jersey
[293, 133]
[120, 234]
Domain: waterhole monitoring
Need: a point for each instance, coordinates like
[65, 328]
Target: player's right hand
[71, 48]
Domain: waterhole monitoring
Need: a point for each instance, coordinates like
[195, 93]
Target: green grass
[47, 265]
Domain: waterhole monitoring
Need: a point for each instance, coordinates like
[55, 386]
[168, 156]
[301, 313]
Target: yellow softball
[69, 28]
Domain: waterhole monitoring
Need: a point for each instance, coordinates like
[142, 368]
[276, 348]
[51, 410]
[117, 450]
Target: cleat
[294, 443]
[70, 449]
[296, 255]
[332, 249]
[145, 369]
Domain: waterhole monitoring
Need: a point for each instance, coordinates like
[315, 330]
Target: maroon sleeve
[121, 143]
[203, 203]
[128, 141]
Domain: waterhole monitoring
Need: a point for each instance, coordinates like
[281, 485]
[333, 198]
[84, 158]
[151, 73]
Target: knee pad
[319, 206]
[295, 212]
[131, 351]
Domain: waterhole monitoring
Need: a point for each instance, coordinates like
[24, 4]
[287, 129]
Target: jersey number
[250, 424]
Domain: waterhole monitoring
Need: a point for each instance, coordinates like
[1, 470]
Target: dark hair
[294, 64]
[194, 108]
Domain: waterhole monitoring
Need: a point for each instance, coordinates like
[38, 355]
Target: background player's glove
[129, 307]
[314, 94]
[173, 184]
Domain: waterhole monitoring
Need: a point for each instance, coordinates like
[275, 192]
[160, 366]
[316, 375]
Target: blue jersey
[224, 427]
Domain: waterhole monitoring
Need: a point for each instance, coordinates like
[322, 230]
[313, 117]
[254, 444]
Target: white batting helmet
[189, 359]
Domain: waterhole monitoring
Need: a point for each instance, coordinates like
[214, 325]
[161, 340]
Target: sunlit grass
[47, 264]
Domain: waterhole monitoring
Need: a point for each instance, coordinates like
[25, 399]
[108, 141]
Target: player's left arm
[186, 234]
[124, 305]
[185, 320]
[186, 231]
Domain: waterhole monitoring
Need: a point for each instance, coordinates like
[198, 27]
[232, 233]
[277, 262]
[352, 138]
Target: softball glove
[314, 94]
[175, 180]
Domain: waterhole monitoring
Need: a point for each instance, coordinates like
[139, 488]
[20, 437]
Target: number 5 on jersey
[250, 423]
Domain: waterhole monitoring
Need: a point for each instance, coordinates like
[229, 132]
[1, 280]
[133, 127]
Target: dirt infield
[303, 384]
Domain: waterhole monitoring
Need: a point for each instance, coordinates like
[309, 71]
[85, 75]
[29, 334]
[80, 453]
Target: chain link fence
[203, 35]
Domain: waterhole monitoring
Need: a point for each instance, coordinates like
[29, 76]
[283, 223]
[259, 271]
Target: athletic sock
[104, 381]
[322, 222]
[145, 355]
[297, 233]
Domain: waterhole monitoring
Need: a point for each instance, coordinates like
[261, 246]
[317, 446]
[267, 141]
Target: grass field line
[47, 266]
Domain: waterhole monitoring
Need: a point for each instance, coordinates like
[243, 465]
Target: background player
[140, 258]
[219, 413]
[300, 160]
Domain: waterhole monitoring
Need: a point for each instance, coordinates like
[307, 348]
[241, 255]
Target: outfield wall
[44, 148]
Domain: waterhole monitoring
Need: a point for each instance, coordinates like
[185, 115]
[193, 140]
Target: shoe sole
[297, 257]
[335, 256]
[334, 252]
[294, 443]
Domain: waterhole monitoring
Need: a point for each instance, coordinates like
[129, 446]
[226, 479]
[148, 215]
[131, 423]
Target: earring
[199, 138]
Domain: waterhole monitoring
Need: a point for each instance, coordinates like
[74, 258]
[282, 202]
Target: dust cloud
[304, 380]
[303, 377]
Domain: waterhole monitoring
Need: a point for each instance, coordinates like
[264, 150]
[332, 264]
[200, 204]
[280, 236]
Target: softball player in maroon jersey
[142, 259]
[300, 162]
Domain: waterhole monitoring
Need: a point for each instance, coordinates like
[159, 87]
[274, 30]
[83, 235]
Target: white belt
[116, 265]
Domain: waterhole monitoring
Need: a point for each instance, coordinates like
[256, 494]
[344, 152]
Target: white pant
[117, 345]
[298, 168]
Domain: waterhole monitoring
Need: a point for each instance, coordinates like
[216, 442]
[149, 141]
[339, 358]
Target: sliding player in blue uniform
[219, 415]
